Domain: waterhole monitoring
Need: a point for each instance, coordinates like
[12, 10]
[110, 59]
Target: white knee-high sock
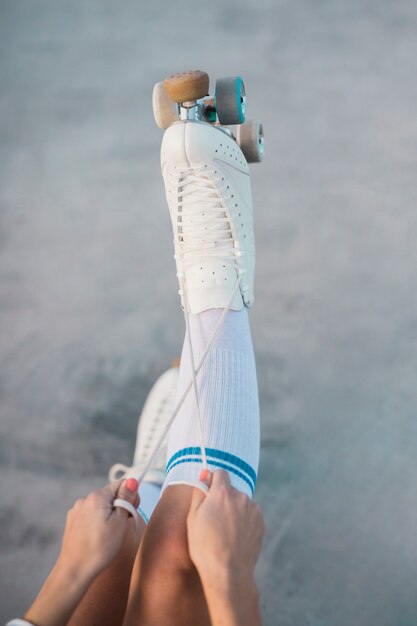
[229, 405]
[149, 494]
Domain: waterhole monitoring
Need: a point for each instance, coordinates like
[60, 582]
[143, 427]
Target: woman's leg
[208, 191]
[166, 589]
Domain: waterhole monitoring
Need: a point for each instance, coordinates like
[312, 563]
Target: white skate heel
[156, 413]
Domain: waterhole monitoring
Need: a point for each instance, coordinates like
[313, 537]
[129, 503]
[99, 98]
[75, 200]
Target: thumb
[200, 494]
[220, 479]
[197, 500]
[128, 491]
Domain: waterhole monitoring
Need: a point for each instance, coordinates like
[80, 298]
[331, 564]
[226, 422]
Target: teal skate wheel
[230, 100]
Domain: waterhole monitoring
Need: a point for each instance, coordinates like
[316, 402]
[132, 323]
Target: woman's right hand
[225, 532]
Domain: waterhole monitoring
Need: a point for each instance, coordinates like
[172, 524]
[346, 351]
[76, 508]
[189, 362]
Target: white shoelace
[198, 234]
[201, 233]
[181, 401]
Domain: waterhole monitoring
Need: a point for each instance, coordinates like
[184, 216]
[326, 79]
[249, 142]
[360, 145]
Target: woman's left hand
[93, 535]
[94, 529]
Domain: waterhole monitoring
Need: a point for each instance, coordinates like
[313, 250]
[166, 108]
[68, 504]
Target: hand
[92, 537]
[94, 529]
[225, 531]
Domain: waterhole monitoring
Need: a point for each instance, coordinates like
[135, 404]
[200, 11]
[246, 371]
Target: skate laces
[142, 470]
[200, 232]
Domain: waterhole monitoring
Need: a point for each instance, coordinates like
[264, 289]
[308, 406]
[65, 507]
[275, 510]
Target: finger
[121, 507]
[128, 491]
[110, 490]
[136, 501]
[206, 477]
[197, 499]
[220, 479]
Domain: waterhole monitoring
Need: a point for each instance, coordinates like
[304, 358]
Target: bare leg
[165, 588]
[105, 601]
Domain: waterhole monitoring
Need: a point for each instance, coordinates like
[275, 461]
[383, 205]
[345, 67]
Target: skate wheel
[164, 110]
[187, 86]
[250, 137]
[230, 100]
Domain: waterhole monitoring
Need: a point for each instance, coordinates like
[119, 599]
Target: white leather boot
[208, 190]
[157, 411]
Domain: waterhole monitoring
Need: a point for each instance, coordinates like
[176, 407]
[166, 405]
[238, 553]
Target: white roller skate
[207, 184]
[156, 413]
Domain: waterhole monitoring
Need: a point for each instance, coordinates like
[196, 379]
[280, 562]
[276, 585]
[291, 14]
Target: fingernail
[132, 484]
[205, 476]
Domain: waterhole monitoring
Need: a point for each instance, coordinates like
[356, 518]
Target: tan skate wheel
[176, 362]
[187, 86]
[250, 137]
[230, 99]
[165, 111]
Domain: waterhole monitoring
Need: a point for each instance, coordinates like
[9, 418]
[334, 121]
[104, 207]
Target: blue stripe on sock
[143, 515]
[229, 468]
[235, 467]
[216, 454]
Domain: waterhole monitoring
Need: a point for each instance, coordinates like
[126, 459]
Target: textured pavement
[88, 296]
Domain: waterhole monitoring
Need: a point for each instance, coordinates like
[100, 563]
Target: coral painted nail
[205, 475]
[132, 484]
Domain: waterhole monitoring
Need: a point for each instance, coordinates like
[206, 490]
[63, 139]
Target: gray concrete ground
[89, 310]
